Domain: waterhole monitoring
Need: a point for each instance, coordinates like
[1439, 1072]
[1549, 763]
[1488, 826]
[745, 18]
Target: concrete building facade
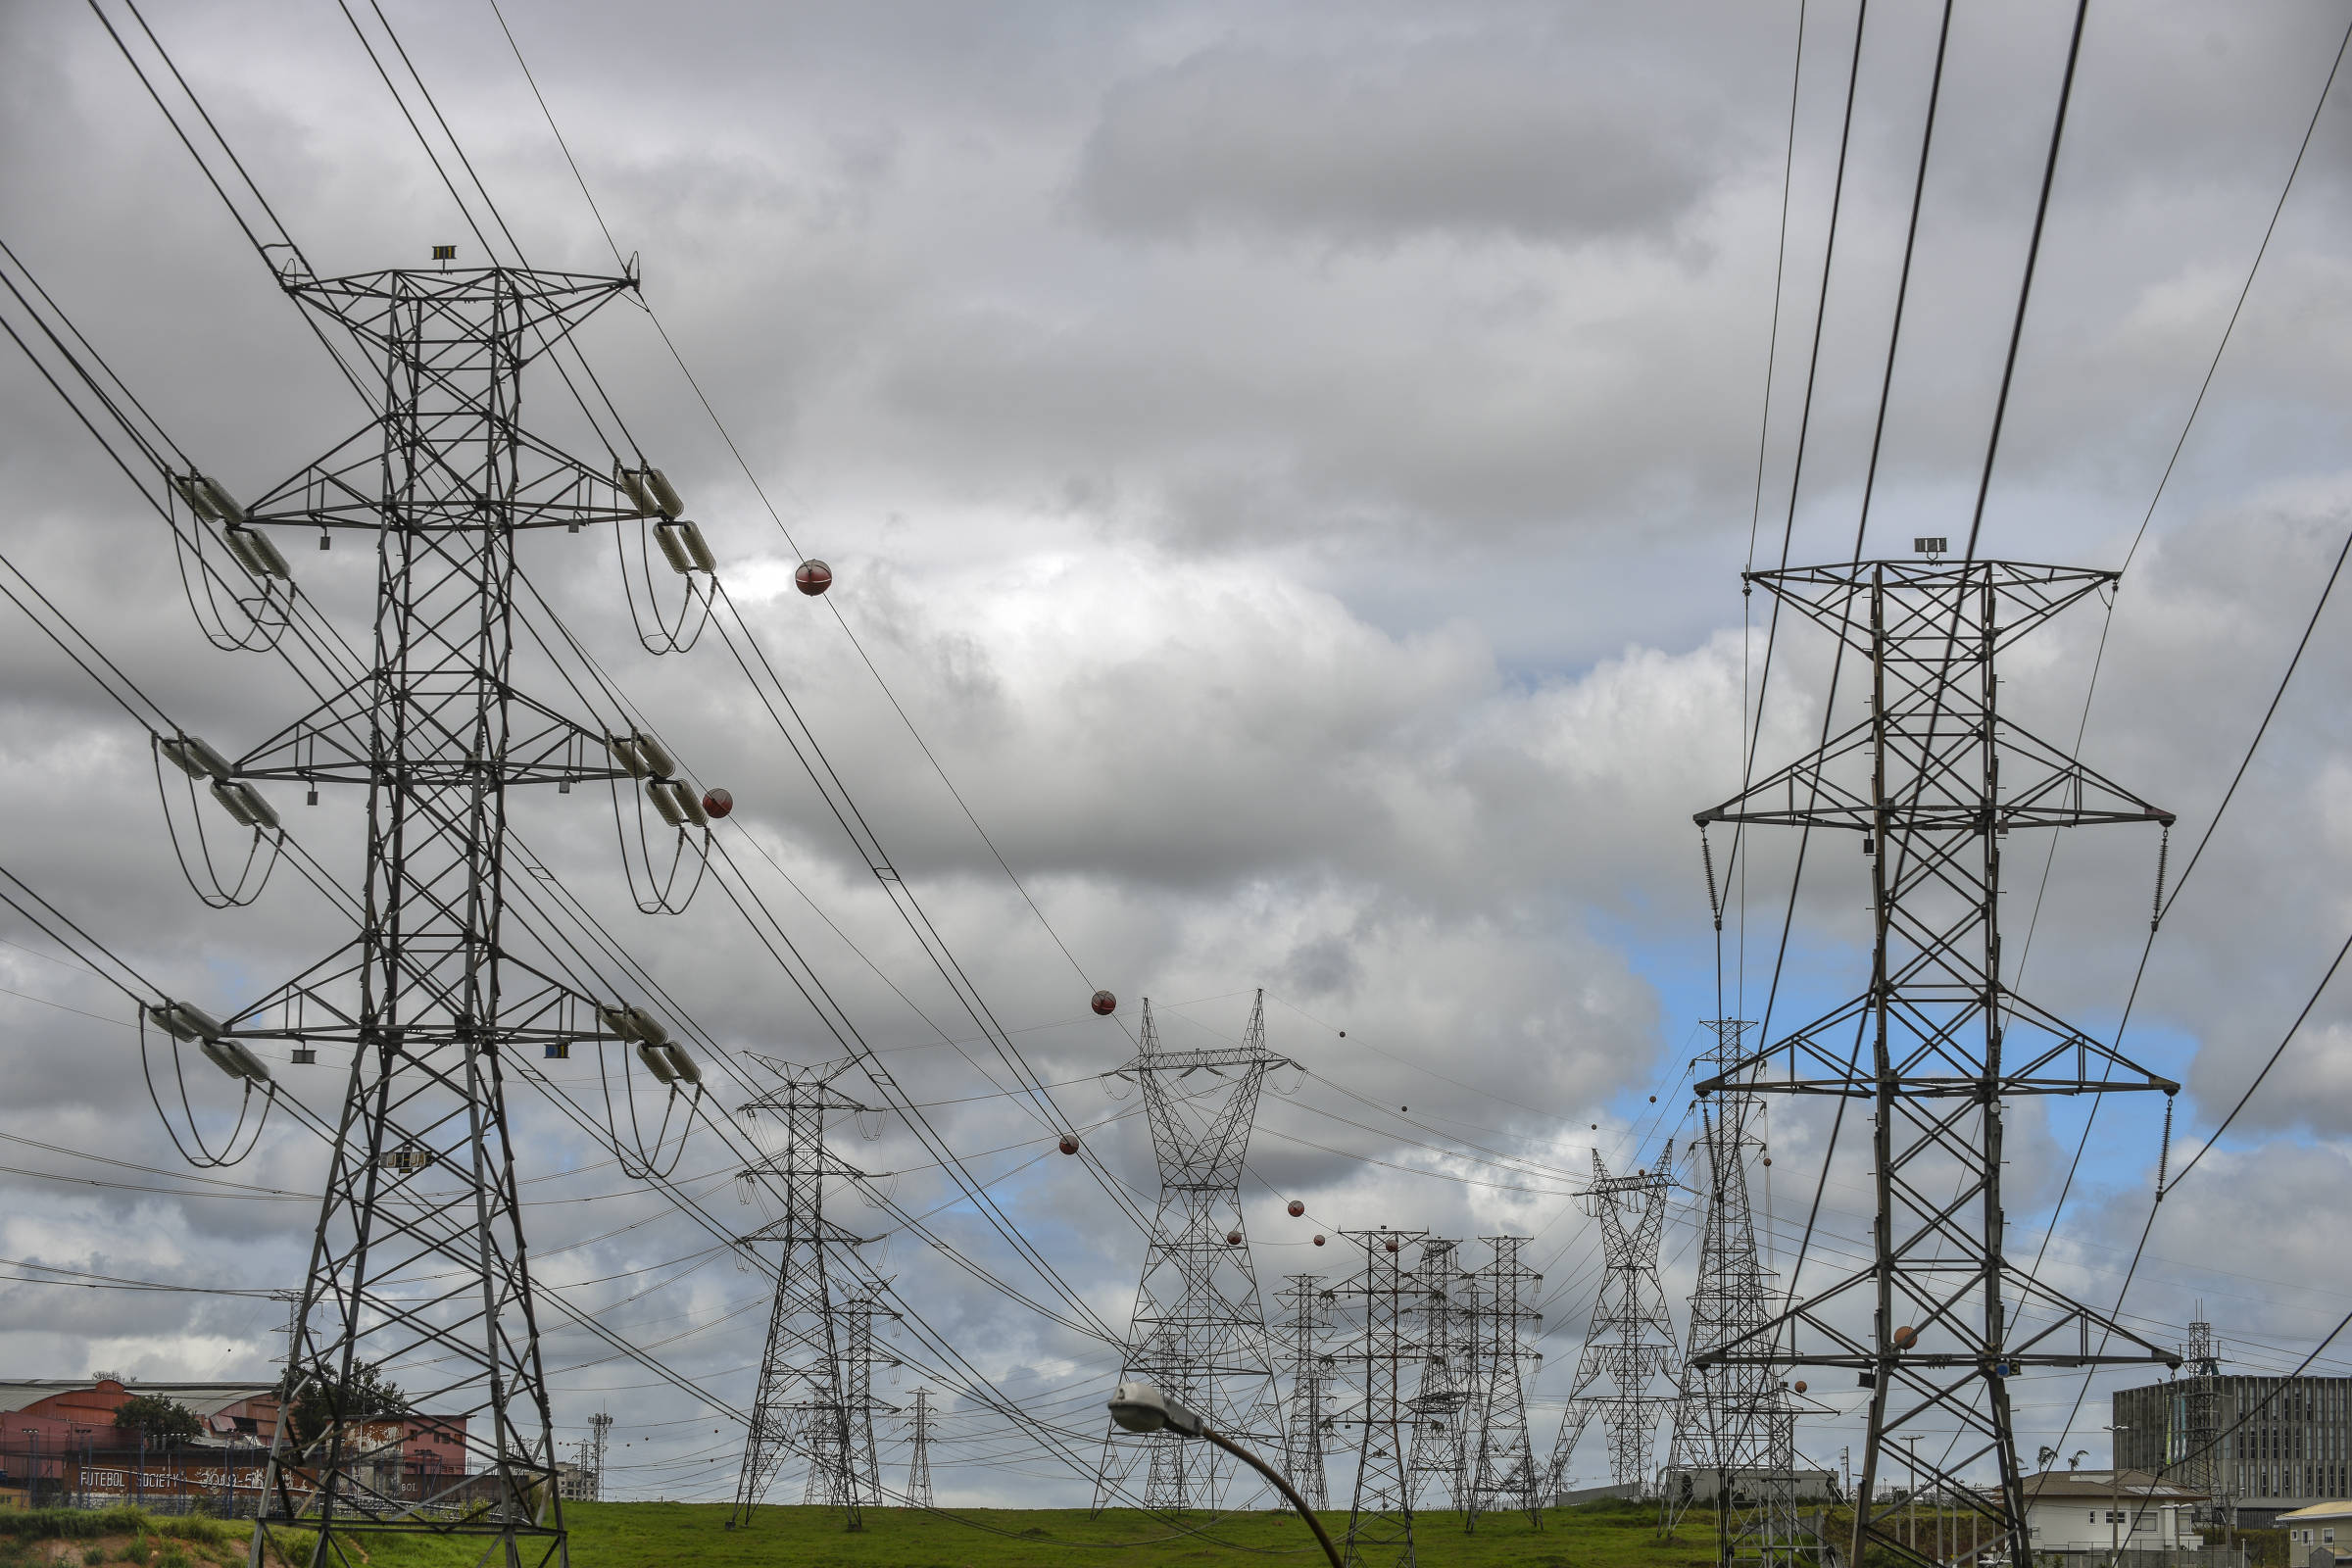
[2285, 1443]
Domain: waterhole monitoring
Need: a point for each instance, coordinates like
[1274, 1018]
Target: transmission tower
[1932, 779]
[919, 1427]
[1733, 1421]
[430, 998]
[1305, 1357]
[1501, 1465]
[2201, 1468]
[1200, 1327]
[1630, 1343]
[807, 1399]
[1441, 1403]
[1388, 1358]
[600, 1431]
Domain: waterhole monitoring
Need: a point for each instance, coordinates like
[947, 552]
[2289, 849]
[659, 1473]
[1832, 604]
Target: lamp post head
[1141, 1407]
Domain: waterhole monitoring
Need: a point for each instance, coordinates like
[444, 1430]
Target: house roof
[2137, 1485]
[2318, 1511]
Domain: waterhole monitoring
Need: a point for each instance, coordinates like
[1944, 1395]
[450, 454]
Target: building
[58, 1443]
[2284, 1444]
[2100, 1512]
[2322, 1523]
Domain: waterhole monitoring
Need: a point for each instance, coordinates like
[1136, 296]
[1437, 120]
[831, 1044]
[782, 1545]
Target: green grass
[655, 1535]
[671, 1535]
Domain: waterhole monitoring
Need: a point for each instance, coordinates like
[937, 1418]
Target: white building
[2322, 1523]
[2108, 1510]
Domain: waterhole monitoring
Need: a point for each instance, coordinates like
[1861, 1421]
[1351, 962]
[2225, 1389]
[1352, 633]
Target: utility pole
[1630, 1343]
[1503, 1464]
[919, 1467]
[1932, 779]
[428, 1000]
[804, 1398]
[1306, 1323]
[1379, 1520]
[1199, 1332]
[1734, 1422]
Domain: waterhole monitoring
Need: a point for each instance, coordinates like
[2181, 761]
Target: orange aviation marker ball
[812, 577]
[1104, 1004]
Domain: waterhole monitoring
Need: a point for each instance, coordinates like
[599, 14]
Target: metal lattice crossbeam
[1936, 779]
[1628, 1344]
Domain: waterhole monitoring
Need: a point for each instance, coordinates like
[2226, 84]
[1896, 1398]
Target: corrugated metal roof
[2105, 1484]
[2318, 1511]
[202, 1398]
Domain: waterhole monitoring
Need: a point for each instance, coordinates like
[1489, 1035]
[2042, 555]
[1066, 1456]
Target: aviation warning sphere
[1233, 1237]
[1297, 1209]
[1068, 1144]
[1105, 1003]
[813, 577]
[718, 802]
[1318, 1240]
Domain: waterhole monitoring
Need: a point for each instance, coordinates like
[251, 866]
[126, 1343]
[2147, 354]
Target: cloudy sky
[1293, 467]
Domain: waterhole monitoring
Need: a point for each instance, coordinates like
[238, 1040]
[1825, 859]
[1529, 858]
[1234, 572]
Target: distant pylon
[919, 1467]
[1502, 1461]
[1630, 1343]
[1306, 1358]
[1199, 1326]
[1386, 1358]
[805, 1400]
[1441, 1403]
[600, 1431]
[1733, 1422]
[853, 1467]
[2200, 1469]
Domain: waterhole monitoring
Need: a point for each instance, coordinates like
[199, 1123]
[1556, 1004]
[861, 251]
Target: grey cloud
[1443, 138]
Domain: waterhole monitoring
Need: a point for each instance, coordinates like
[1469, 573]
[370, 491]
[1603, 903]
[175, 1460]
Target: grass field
[671, 1535]
[644, 1534]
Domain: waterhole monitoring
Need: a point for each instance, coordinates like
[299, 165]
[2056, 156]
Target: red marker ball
[1297, 1209]
[1233, 1237]
[1391, 1244]
[1068, 1144]
[1318, 1240]
[1104, 1004]
[813, 577]
[1800, 1385]
[718, 802]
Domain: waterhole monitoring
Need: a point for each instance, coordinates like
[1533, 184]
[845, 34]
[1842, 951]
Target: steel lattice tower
[1501, 1463]
[1306, 1329]
[807, 1401]
[1735, 1421]
[845, 1468]
[1932, 779]
[600, 1431]
[919, 1427]
[1630, 1343]
[430, 998]
[1199, 1326]
[1441, 1405]
[2200, 1460]
[1380, 1520]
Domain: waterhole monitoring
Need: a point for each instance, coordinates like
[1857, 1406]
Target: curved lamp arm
[1281, 1485]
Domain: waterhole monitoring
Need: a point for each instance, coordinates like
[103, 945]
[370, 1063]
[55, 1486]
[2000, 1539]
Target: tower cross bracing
[1628, 1344]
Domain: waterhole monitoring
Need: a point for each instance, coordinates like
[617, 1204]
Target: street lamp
[1141, 1407]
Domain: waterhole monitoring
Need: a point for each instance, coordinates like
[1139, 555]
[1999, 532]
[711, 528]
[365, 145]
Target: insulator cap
[812, 577]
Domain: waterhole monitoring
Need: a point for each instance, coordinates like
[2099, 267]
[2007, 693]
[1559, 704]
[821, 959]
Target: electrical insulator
[683, 543]
[648, 1028]
[1297, 1209]
[617, 1022]
[243, 801]
[624, 752]
[1104, 1004]
[664, 498]
[812, 577]
[718, 802]
[690, 805]
[656, 756]
[632, 485]
[195, 759]
[256, 552]
[657, 792]
[682, 1062]
[657, 1062]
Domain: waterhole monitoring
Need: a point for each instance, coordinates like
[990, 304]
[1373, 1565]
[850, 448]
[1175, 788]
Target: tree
[157, 1418]
[311, 1405]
